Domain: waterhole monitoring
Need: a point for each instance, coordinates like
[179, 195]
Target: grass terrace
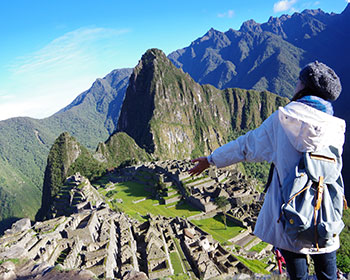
[130, 192]
[216, 227]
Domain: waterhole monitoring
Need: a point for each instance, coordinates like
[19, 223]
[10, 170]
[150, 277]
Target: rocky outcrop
[171, 116]
[66, 155]
[120, 148]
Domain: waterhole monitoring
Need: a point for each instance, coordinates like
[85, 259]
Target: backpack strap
[318, 201]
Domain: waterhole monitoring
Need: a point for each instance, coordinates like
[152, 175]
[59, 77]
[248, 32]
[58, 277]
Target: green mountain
[67, 157]
[119, 149]
[172, 117]
[268, 56]
[165, 115]
[25, 142]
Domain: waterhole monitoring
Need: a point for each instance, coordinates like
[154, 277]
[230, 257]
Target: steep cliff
[66, 157]
[120, 148]
[171, 116]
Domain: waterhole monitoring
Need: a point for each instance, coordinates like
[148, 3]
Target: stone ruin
[111, 245]
[86, 235]
[76, 195]
[200, 192]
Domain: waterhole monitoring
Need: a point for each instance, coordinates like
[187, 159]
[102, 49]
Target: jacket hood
[309, 129]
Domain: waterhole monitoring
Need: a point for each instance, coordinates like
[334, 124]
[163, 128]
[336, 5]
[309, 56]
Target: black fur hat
[321, 80]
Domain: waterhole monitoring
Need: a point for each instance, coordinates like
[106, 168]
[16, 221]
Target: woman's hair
[303, 92]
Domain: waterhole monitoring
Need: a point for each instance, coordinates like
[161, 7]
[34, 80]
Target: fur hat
[321, 80]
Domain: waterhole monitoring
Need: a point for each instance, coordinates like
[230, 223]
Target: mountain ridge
[231, 58]
[25, 142]
[165, 109]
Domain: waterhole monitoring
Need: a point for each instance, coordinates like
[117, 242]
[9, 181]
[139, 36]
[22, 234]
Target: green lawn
[255, 265]
[176, 262]
[131, 191]
[216, 227]
[258, 248]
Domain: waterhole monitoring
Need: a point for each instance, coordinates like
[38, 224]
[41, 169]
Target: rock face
[171, 116]
[120, 148]
[62, 154]
[22, 224]
[65, 157]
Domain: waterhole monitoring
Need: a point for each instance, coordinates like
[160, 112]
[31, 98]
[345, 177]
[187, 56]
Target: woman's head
[320, 80]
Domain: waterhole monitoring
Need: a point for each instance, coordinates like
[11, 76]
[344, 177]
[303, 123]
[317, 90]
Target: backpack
[313, 199]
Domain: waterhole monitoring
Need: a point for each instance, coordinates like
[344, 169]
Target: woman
[304, 125]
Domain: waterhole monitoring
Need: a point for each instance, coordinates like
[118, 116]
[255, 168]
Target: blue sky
[53, 50]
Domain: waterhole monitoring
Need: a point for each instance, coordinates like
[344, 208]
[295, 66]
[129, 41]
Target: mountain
[259, 56]
[171, 116]
[25, 142]
[119, 149]
[269, 56]
[65, 157]
[68, 157]
[165, 115]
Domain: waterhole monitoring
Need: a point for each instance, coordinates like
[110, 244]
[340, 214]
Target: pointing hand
[200, 167]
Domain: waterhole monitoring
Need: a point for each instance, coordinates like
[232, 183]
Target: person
[306, 124]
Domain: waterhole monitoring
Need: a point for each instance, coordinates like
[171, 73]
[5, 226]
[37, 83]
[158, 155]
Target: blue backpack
[313, 196]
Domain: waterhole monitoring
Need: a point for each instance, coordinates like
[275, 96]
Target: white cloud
[64, 52]
[43, 82]
[43, 100]
[228, 14]
[283, 5]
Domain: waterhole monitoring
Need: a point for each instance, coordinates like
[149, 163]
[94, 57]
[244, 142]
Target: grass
[184, 261]
[131, 191]
[259, 247]
[180, 276]
[254, 265]
[216, 227]
[15, 261]
[176, 262]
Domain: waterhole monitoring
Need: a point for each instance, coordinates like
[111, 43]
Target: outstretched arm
[200, 167]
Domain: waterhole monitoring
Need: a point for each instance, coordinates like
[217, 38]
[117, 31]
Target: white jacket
[281, 139]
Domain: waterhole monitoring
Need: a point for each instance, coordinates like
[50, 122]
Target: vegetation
[131, 192]
[176, 263]
[343, 253]
[216, 228]
[25, 143]
[259, 247]
[221, 202]
[87, 165]
[121, 149]
[15, 261]
[255, 265]
[189, 111]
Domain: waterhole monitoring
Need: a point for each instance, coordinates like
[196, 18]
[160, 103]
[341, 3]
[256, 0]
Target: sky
[53, 50]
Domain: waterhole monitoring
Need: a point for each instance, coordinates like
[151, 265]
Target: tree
[221, 202]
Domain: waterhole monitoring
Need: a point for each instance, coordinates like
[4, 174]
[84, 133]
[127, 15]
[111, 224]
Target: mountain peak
[346, 10]
[250, 26]
[152, 54]
[314, 12]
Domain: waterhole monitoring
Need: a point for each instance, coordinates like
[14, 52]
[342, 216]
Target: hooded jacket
[281, 139]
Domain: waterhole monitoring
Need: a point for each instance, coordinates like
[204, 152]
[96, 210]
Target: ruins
[85, 234]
